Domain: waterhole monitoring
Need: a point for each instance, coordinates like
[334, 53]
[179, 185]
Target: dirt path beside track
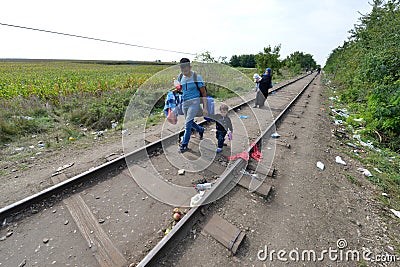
[311, 210]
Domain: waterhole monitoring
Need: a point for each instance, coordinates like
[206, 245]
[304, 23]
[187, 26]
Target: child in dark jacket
[223, 125]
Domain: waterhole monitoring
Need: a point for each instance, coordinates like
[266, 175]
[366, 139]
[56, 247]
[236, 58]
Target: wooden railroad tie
[224, 232]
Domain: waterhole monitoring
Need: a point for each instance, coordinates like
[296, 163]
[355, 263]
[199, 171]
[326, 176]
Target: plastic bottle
[203, 186]
[196, 199]
[177, 84]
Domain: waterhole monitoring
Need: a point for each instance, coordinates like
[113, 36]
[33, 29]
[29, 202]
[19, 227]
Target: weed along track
[104, 218]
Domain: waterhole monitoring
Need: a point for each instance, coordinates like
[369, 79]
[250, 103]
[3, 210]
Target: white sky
[224, 28]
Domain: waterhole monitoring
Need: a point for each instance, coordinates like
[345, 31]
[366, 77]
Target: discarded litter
[124, 131]
[19, 148]
[196, 198]
[385, 194]
[365, 172]
[202, 186]
[252, 175]
[342, 112]
[65, 166]
[25, 118]
[243, 117]
[41, 145]
[395, 212]
[176, 216]
[352, 145]
[340, 160]
[168, 231]
[376, 169]
[114, 125]
[358, 120]
[181, 172]
[320, 165]
[338, 122]
[256, 154]
[275, 135]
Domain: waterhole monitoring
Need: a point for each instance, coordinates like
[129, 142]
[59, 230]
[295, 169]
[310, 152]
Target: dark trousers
[221, 138]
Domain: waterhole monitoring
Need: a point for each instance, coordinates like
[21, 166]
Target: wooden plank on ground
[103, 249]
[201, 163]
[261, 187]
[259, 168]
[224, 232]
[151, 138]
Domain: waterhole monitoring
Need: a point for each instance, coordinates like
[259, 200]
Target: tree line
[297, 62]
[269, 57]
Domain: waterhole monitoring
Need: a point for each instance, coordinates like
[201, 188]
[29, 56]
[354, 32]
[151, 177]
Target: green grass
[386, 161]
[352, 179]
[63, 97]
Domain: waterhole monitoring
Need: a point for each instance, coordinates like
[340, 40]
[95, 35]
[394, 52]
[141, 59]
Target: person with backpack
[192, 88]
[264, 83]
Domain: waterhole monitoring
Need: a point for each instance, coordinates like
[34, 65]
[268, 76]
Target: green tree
[367, 68]
[269, 58]
[205, 57]
[298, 61]
[247, 61]
[235, 61]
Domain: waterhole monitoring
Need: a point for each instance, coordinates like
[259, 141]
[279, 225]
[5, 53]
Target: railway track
[102, 217]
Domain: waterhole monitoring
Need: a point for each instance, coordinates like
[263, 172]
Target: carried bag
[172, 118]
[210, 107]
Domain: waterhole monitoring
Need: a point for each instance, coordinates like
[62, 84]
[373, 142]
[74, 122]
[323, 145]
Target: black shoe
[201, 134]
[183, 148]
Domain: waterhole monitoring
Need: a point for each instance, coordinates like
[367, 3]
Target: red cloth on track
[256, 154]
[244, 155]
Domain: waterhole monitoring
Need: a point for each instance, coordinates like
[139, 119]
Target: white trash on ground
[275, 135]
[340, 160]
[320, 165]
[365, 172]
[395, 212]
[196, 198]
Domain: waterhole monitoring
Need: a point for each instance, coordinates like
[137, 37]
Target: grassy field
[41, 96]
[61, 97]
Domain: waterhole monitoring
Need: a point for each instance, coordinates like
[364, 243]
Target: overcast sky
[224, 28]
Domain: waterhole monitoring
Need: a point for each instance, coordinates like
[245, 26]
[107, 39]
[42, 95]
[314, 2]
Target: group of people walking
[192, 88]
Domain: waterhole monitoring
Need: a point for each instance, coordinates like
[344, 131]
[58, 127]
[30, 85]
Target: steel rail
[118, 163]
[194, 215]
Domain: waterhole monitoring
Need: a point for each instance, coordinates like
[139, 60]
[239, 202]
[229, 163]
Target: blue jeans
[221, 138]
[190, 109]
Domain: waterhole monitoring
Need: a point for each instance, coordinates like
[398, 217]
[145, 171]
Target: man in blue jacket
[192, 89]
